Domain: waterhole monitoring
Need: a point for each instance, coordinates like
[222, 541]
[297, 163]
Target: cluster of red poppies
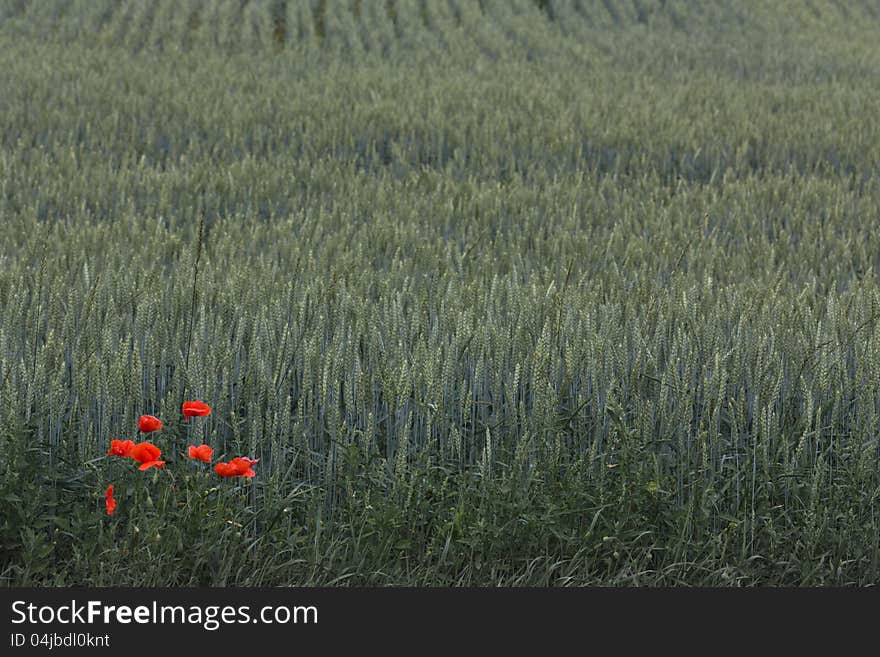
[147, 454]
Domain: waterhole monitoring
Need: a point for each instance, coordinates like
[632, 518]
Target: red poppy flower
[237, 467]
[147, 454]
[109, 501]
[201, 453]
[195, 408]
[120, 448]
[148, 423]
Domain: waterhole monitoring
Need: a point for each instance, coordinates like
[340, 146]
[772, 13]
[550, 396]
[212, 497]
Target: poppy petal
[109, 502]
[120, 448]
[195, 408]
[148, 423]
[145, 452]
[201, 453]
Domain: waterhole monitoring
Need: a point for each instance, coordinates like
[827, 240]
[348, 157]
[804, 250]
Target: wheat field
[499, 292]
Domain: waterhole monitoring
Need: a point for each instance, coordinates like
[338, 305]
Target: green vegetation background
[499, 291]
